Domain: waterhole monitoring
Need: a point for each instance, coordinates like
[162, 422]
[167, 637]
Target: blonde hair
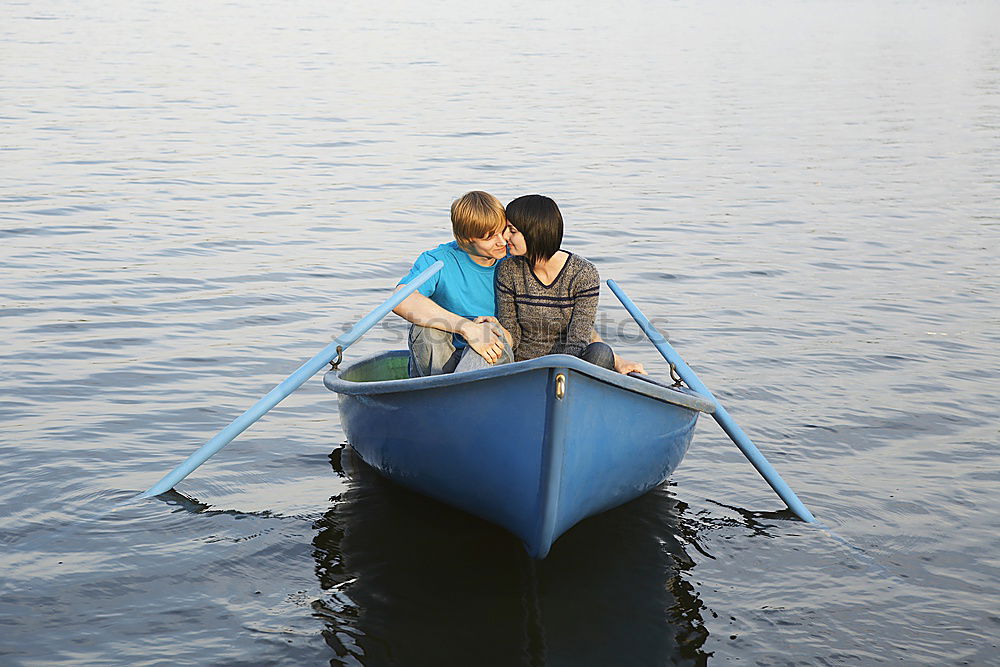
[475, 215]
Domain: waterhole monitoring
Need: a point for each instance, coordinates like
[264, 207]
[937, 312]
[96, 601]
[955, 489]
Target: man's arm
[422, 311]
[622, 365]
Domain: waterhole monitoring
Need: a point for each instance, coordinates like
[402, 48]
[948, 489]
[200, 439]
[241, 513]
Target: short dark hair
[538, 218]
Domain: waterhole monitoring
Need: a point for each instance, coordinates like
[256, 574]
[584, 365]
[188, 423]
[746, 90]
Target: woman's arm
[506, 308]
[586, 290]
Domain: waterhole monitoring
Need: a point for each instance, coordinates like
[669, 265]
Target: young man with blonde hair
[456, 307]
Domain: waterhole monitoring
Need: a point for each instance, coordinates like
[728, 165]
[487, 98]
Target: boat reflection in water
[410, 581]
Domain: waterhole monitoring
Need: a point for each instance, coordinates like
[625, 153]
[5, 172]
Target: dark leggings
[599, 354]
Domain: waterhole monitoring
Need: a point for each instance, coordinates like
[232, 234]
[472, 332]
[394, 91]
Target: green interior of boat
[389, 367]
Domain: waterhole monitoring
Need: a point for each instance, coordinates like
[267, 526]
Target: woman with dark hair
[546, 296]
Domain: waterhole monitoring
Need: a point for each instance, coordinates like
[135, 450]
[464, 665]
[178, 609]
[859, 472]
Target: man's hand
[493, 320]
[480, 337]
[624, 366]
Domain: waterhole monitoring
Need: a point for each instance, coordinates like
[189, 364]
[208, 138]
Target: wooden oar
[288, 385]
[735, 433]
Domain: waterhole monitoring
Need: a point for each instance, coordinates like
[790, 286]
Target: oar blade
[721, 415]
[288, 385]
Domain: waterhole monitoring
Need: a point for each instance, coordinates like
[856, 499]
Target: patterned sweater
[547, 319]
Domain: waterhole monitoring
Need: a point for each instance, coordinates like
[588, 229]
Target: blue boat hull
[534, 447]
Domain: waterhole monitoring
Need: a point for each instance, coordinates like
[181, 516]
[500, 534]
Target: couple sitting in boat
[507, 292]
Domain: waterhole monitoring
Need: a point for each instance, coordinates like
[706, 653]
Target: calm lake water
[195, 197]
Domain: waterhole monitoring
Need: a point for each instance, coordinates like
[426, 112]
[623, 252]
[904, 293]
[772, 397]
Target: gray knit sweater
[547, 319]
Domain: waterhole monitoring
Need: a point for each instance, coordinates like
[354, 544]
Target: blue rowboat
[534, 446]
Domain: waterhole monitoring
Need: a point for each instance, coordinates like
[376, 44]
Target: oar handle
[288, 385]
[720, 415]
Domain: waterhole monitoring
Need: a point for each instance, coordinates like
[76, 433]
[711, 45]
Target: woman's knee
[599, 354]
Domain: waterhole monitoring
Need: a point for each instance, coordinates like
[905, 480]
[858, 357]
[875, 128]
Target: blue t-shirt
[462, 286]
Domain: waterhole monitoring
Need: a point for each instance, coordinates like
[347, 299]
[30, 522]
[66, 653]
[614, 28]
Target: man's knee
[429, 337]
[470, 360]
[430, 351]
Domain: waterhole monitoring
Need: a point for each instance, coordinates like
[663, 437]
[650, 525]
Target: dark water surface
[196, 197]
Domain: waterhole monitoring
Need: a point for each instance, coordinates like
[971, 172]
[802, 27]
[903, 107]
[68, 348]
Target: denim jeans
[433, 352]
[599, 354]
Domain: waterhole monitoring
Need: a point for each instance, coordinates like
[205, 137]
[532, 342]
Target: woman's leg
[599, 354]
